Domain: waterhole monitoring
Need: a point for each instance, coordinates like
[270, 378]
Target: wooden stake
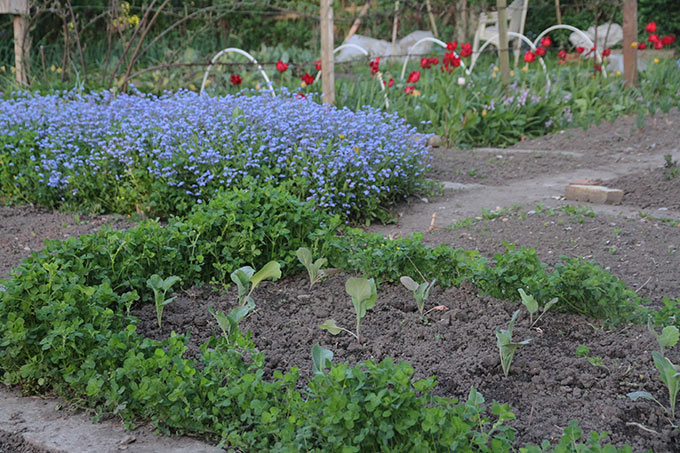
[357, 22]
[327, 64]
[630, 37]
[503, 53]
[432, 22]
[395, 26]
[21, 49]
[558, 12]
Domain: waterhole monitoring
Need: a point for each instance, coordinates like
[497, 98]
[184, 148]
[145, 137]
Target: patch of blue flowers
[166, 153]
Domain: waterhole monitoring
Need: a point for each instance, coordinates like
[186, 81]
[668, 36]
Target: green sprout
[246, 276]
[364, 295]
[532, 306]
[506, 346]
[160, 287]
[316, 274]
[421, 291]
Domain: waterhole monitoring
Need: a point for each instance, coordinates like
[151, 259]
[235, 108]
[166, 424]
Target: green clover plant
[532, 306]
[160, 287]
[246, 276]
[316, 274]
[364, 295]
[505, 344]
[322, 359]
[670, 375]
[229, 323]
[421, 291]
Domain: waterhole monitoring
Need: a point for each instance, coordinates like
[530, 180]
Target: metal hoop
[241, 52]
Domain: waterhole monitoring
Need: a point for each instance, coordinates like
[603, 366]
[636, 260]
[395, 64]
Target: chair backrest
[517, 15]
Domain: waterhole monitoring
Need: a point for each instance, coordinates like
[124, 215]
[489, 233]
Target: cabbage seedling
[420, 291]
[364, 295]
[505, 344]
[316, 274]
[532, 306]
[160, 287]
[668, 337]
[229, 323]
[322, 358]
[670, 375]
[246, 276]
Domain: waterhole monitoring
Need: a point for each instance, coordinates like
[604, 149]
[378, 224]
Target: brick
[593, 194]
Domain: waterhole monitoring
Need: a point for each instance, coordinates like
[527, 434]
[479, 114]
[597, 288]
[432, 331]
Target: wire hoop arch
[598, 55]
[434, 40]
[241, 52]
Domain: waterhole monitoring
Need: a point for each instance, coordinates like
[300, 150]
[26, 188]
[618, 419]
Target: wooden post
[19, 8]
[395, 26]
[503, 51]
[433, 24]
[327, 64]
[357, 22]
[630, 37]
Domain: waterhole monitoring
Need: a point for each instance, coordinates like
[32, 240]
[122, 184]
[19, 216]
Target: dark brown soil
[643, 252]
[23, 230]
[650, 189]
[548, 384]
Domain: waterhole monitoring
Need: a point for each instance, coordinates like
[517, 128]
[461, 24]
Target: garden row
[65, 328]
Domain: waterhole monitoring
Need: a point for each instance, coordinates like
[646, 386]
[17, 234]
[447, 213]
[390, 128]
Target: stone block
[593, 194]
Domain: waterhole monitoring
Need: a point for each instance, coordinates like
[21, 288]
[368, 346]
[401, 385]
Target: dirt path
[527, 175]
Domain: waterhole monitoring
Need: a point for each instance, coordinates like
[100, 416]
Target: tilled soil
[656, 188]
[644, 252]
[548, 384]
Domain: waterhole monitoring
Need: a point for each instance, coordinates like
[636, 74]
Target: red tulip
[545, 41]
[562, 54]
[375, 66]
[466, 50]
[235, 79]
[606, 52]
[413, 77]
[540, 51]
[317, 64]
[281, 66]
[642, 46]
[651, 27]
[390, 83]
[597, 68]
[451, 46]
[580, 49]
[409, 89]
[529, 57]
[658, 45]
[307, 79]
[653, 37]
[668, 40]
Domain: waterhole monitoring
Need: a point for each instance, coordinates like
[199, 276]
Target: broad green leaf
[475, 399]
[271, 270]
[550, 303]
[636, 395]
[322, 358]
[304, 256]
[370, 302]
[241, 277]
[669, 336]
[167, 301]
[238, 313]
[154, 282]
[409, 283]
[359, 289]
[528, 301]
[222, 321]
[319, 263]
[168, 282]
[330, 326]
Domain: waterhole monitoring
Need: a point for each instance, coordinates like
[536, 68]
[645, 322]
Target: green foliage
[316, 274]
[229, 323]
[506, 346]
[421, 292]
[160, 288]
[531, 305]
[364, 295]
[514, 269]
[670, 375]
[246, 277]
[570, 442]
[667, 338]
[322, 358]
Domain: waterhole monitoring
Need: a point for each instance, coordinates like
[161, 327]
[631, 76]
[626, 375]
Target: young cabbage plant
[506, 346]
[160, 287]
[670, 375]
[246, 276]
[316, 274]
[421, 291]
[322, 359]
[532, 306]
[229, 323]
[364, 295]
[668, 337]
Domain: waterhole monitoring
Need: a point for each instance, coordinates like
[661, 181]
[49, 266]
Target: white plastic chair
[487, 29]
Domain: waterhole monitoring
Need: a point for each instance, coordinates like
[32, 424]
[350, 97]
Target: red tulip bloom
[235, 79]
[307, 79]
[545, 41]
[413, 77]
[540, 51]
[653, 38]
[317, 64]
[597, 68]
[300, 96]
[562, 54]
[658, 45]
[668, 40]
[466, 50]
[281, 66]
[451, 46]
[651, 27]
[606, 52]
[375, 66]
[409, 89]
[580, 49]
[390, 83]
[425, 63]
[642, 46]
[529, 57]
